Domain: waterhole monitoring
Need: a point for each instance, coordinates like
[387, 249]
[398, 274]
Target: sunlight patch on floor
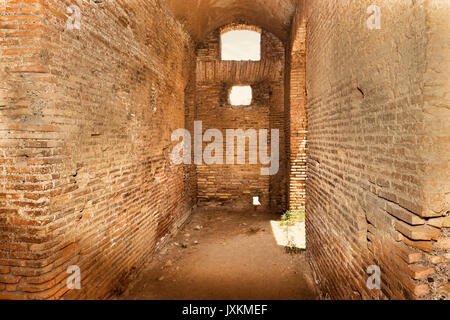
[294, 235]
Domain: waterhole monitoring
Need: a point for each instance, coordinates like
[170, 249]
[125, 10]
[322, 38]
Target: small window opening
[241, 96]
[241, 45]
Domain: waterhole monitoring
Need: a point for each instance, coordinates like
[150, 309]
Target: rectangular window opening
[241, 96]
[241, 45]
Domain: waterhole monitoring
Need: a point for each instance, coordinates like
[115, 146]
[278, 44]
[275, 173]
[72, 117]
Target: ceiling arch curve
[201, 17]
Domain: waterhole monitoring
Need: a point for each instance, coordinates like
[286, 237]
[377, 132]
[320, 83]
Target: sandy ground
[224, 255]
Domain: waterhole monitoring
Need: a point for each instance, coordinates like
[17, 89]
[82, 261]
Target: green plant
[291, 217]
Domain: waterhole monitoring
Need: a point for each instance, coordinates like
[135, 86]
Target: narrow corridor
[137, 137]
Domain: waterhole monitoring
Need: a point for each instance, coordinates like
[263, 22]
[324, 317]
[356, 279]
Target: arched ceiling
[201, 17]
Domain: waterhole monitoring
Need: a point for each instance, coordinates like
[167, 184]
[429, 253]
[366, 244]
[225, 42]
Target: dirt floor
[223, 255]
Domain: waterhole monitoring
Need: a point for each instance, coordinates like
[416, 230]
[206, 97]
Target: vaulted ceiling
[201, 17]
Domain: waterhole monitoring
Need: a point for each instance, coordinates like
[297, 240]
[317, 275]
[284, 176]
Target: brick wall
[86, 123]
[235, 185]
[296, 112]
[376, 184]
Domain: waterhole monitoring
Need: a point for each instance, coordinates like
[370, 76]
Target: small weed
[289, 219]
[291, 248]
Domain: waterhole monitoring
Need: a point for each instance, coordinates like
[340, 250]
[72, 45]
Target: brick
[4, 270]
[420, 272]
[426, 246]
[11, 296]
[409, 255]
[8, 279]
[404, 215]
[421, 289]
[443, 222]
[418, 232]
[435, 259]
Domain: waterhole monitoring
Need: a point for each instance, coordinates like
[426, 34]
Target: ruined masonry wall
[86, 118]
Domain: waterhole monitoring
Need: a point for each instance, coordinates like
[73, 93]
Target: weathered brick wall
[86, 123]
[378, 133]
[235, 185]
[435, 145]
[296, 112]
